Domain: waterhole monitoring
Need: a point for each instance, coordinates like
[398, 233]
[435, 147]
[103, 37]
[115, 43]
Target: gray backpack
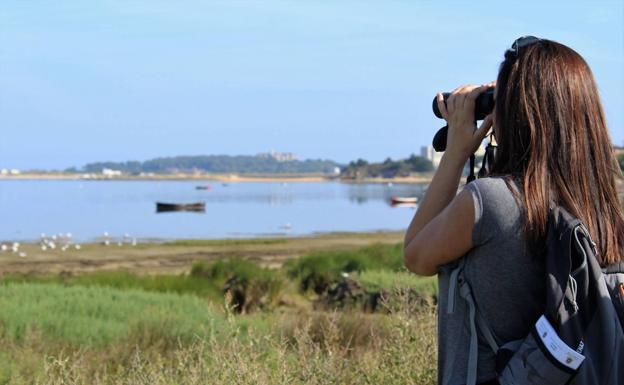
[579, 339]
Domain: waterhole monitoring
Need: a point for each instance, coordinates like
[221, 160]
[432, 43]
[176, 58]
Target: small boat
[404, 200]
[194, 207]
[206, 187]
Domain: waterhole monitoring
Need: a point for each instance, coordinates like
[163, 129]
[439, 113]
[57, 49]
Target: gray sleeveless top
[507, 283]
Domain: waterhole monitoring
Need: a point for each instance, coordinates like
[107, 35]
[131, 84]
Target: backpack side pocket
[541, 360]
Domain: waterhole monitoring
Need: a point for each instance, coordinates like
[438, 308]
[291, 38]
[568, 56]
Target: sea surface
[88, 209]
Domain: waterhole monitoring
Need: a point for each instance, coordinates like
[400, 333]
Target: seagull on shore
[105, 239]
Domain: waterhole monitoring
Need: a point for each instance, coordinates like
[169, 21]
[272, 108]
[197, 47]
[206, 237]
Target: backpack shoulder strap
[459, 286]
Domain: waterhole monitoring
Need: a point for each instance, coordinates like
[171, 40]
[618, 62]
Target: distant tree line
[216, 164]
[387, 169]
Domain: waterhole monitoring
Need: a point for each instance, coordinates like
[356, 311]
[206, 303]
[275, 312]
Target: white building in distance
[428, 152]
[12, 171]
[107, 172]
[279, 156]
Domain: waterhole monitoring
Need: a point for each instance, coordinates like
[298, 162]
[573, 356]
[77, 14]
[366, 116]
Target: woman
[553, 145]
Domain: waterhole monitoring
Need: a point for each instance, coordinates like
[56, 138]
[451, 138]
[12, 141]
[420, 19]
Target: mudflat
[177, 256]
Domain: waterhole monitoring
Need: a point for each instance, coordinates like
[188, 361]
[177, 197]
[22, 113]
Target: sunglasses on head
[522, 42]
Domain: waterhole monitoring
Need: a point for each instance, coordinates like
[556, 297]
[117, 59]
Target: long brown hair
[552, 138]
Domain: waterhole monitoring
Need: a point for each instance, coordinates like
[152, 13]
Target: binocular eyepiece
[484, 104]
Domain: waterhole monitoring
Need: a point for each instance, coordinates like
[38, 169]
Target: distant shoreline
[243, 178]
[222, 178]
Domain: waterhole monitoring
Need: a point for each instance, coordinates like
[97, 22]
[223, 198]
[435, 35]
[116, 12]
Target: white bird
[77, 247]
[4, 247]
[52, 245]
[22, 255]
[44, 247]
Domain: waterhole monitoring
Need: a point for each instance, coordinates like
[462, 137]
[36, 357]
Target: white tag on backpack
[557, 348]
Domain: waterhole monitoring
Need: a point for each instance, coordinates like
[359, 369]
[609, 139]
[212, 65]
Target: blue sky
[84, 81]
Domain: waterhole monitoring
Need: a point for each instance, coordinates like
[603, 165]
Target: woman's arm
[441, 230]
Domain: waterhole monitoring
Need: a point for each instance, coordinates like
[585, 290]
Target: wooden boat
[194, 207]
[403, 200]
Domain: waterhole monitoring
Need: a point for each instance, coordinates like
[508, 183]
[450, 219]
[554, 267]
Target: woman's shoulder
[494, 189]
[496, 206]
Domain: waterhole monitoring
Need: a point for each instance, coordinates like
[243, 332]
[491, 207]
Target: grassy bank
[224, 322]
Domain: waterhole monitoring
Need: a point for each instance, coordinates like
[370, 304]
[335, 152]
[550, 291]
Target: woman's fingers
[460, 104]
[468, 94]
[442, 105]
[463, 135]
[452, 102]
[476, 91]
[490, 84]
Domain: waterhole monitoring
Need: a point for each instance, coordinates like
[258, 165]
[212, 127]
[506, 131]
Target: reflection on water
[87, 209]
[362, 193]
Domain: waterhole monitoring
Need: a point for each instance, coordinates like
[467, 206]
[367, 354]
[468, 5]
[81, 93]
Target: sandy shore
[178, 256]
[222, 178]
[235, 178]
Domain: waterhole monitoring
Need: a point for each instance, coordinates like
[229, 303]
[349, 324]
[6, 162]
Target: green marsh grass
[122, 328]
[124, 280]
[376, 280]
[98, 316]
[318, 270]
[287, 348]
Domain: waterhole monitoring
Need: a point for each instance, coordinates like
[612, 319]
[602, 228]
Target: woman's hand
[463, 136]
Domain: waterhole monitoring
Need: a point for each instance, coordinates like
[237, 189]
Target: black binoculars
[484, 104]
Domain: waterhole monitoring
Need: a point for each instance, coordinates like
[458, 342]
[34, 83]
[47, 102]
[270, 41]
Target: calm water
[89, 208]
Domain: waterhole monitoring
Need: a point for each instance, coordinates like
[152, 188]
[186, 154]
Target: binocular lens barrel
[484, 104]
